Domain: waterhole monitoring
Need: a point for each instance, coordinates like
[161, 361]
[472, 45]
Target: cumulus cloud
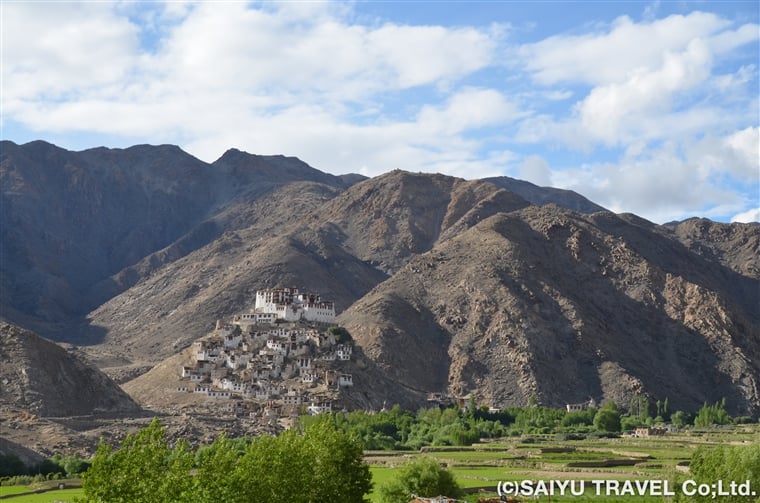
[617, 54]
[752, 215]
[62, 50]
[282, 78]
[672, 182]
[656, 116]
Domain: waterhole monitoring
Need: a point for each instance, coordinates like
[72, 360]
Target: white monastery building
[289, 304]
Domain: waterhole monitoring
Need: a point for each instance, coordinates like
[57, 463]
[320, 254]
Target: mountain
[546, 195]
[77, 228]
[493, 287]
[341, 246]
[549, 303]
[42, 378]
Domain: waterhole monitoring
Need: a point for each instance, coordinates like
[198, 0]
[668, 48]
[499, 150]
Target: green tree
[421, 477]
[274, 469]
[145, 469]
[342, 336]
[216, 477]
[679, 419]
[727, 463]
[709, 415]
[339, 473]
[322, 464]
[607, 418]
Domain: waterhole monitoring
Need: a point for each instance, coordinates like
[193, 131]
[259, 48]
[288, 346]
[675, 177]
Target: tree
[421, 477]
[679, 418]
[726, 463]
[216, 477]
[709, 415]
[339, 473]
[607, 418]
[342, 336]
[144, 469]
[323, 464]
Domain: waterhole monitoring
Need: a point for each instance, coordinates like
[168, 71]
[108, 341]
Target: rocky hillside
[498, 288]
[341, 246]
[546, 302]
[42, 378]
[77, 228]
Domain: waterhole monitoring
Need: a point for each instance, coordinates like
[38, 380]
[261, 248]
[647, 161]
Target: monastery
[274, 360]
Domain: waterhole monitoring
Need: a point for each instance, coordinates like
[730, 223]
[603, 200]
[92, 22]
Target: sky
[650, 108]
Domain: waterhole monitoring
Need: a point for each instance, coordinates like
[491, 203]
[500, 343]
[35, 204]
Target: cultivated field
[481, 467]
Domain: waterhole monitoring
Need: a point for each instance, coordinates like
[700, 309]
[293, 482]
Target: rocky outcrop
[43, 379]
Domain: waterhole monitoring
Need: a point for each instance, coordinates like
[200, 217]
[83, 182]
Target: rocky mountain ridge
[447, 284]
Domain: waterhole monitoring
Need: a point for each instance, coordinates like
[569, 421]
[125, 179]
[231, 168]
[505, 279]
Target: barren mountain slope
[181, 301]
[568, 307]
[390, 218]
[736, 246]
[42, 378]
[340, 246]
[546, 195]
[77, 228]
[69, 219]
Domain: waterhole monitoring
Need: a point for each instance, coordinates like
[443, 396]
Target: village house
[345, 380]
[219, 394]
[232, 340]
[308, 377]
[246, 320]
[343, 352]
[277, 345]
[655, 431]
[294, 398]
[304, 364]
[271, 356]
[258, 370]
[328, 357]
[319, 407]
[577, 407]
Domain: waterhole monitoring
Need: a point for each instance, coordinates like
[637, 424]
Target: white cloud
[468, 109]
[536, 170]
[673, 182]
[744, 147]
[62, 50]
[670, 103]
[625, 50]
[287, 77]
[752, 215]
[613, 112]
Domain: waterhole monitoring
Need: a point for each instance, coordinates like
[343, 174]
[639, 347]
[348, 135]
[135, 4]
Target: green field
[483, 466]
[50, 494]
[56, 496]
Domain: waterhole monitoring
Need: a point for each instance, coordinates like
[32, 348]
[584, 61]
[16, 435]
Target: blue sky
[644, 107]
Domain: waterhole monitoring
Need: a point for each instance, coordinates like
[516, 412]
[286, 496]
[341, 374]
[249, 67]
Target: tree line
[321, 463]
[398, 429]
